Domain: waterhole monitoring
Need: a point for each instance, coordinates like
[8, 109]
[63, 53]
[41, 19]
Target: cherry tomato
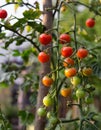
[53, 120]
[80, 93]
[66, 51]
[88, 100]
[75, 80]
[68, 62]
[43, 57]
[70, 72]
[87, 71]
[90, 22]
[65, 92]
[45, 39]
[47, 101]
[82, 53]
[41, 112]
[65, 38]
[47, 81]
[3, 14]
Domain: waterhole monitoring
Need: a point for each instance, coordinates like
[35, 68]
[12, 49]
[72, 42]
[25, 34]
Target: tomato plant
[45, 39]
[66, 51]
[64, 38]
[43, 57]
[3, 14]
[47, 81]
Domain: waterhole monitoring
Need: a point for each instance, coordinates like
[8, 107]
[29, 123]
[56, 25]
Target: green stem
[68, 121]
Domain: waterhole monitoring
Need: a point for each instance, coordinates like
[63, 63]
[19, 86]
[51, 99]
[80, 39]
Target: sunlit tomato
[67, 51]
[65, 38]
[87, 71]
[45, 39]
[65, 92]
[47, 81]
[47, 101]
[82, 53]
[3, 14]
[68, 62]
[90, 22]
[70, 72]
[80, 93]
[75, 80]
[43, 57]
[41, 112]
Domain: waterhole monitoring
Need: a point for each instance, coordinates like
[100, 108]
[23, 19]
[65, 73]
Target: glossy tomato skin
[43, 57]
[41, 112]
[3, 14]
[65, 92]
[47, 101]
[70, 72]
[67, 51]
[45, 39]
[47, 81]
[82, 53]
[65, 38]
[68, 62]
[90, 22]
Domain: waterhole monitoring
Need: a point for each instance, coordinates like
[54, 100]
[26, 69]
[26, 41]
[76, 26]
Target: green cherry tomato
[75, 80]
[47, 101]
[53, 120]
[41, 112]
[80, 93]
[88, 100]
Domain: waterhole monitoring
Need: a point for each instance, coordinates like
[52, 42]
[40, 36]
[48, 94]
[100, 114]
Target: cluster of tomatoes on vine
[72, 73]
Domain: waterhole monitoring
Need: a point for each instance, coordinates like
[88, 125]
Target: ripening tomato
[47, 101]
[65, 92]
[75, 80]
[65, 38]
[67, 51]
[45, 39]
[80, 93]
[90, 22]
[68, 62]
[41, 112]
[82, 53]
[87, 71]
[70, 72]
[3, 14]
[43, 57]
[47, 81]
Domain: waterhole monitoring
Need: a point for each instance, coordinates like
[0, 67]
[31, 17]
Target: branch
[11, 29]
[68, 121]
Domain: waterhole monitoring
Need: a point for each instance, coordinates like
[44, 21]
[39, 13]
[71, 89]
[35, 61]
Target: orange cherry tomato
[87, 71]
[47, 81]
[65, 92]
[68, 62]
[70, 72]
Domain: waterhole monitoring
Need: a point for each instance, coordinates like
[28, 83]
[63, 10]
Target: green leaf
[19, 23]
[32, 14]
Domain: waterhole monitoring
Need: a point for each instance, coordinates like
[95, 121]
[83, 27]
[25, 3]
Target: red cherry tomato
[66, 51]
[45, 39]
[3, 14]
[43, 57]
[90, 22]
[65, 38]
[68, 62]
[82, 53]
